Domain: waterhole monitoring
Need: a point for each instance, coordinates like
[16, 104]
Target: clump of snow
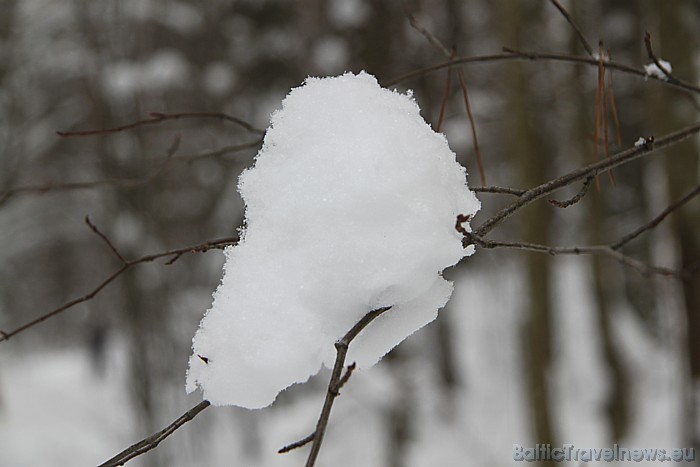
[351, 206]
[653, 70]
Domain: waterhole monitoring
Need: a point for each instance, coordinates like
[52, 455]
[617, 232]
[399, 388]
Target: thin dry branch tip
[297, 444]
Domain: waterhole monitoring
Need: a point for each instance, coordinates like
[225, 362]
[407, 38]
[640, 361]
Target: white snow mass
[351, 205]
[652, 69]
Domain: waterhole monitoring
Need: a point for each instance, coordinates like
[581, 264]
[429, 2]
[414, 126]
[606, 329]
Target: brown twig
[104, 238]
[606, 250]
[622, 157]
[613, 107]
[159, 117]
[341, 348]
[297, 444]
[611, 249]
[177, 253]
[445, 98]
[124, 182]
[653, 58]
[152, 442]
[514, 54]
[462, 83]
[603, 107]
[498, 189]
[576, 198]
[656, 220]
[477, 150]
[573, 25]
[427, 34]
[336, 390]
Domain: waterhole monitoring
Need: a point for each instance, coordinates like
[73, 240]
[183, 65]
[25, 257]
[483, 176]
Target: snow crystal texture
[350, 206]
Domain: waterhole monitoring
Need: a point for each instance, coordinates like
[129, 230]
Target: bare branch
[607, 250]
[297, 444]
[177, 253]
[427, 34]
[472, 125]
[653, 58]
[335, 390]
[111, 246]
[513, 54]
[336, 382]
[152, 442]
[126, 182]
[499, 189]
[623, 157]
[657, 220]
[159, 117]
[570, 202]
[573, 25]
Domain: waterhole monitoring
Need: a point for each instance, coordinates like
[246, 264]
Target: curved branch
[173, 254]
[590, 170]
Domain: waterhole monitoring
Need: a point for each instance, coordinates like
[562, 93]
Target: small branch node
[297, 444]
[107, 241]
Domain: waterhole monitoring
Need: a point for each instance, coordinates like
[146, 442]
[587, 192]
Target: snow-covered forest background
[589, 349]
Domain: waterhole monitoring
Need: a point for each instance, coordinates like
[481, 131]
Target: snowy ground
[55, 411]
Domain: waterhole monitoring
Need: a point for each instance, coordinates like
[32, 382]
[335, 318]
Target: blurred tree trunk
[529, 153]
[604, 280]
[676, 41]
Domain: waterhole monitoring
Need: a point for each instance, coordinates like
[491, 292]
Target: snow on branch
[349, 207]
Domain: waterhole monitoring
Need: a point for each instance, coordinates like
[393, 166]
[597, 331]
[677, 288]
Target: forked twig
[177, 253]
[622, 157]
[336, 382]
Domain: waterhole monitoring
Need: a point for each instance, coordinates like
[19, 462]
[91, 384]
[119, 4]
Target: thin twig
[498, 189]
[607, 250]
[427, 34]
[297, 444]
[656, 220]
[477, 150]
[445, 98]
[104, 238]
[462, 82]
[513, 54]
[152, 442]
[573, 25]
[613, 107]
[576, 198]
[622, 157]
[159, 117]
[124, 182]
[657, 62]
[348, 373]
[341, 348]
[177, 253]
